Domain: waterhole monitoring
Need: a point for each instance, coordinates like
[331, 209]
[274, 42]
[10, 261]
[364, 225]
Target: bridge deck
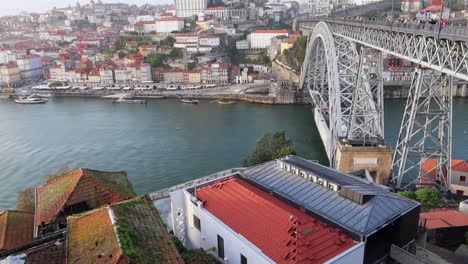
[456, 33]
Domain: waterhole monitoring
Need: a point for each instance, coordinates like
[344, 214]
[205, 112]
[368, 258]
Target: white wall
[353, 255]
[234, 244]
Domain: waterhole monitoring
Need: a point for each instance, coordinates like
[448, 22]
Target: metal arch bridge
[342, 71]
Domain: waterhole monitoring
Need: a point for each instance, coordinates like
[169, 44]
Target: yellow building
[194, 76]
[285, 46]
[10, 74]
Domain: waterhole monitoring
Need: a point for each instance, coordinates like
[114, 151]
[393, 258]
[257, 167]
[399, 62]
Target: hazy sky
[9, 7]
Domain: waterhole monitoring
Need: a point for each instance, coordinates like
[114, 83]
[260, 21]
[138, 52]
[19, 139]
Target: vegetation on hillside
[240, 57]
[199, 256]
[169, 41]
[294, 57]
[156, 60]
[269, 147]
[428, 197]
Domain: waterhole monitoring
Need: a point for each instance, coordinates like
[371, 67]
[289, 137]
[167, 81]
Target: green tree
[169, 41]
[408, 194]
[458, 5]
[156, 60]
[192, 65]
[428, 197]
[270, 147]
[176, 53]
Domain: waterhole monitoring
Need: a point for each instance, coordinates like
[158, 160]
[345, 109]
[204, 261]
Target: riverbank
[253, 93]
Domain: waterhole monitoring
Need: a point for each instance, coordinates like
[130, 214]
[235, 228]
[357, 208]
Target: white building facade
[169, 24]
[261, 39]
[197, 227]
[188, 8]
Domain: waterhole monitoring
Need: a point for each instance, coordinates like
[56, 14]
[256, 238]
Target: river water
[159, 144]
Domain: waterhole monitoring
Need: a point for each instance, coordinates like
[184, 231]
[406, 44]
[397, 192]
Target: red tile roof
[126, 232]
[283, 232]
[16, 228]
[216, 8]
[430, 164]
[272, 31]
[444, 218]
[52, 197]
[171, 19]
[91, 235]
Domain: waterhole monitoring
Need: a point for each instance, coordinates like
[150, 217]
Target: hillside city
[278, 207]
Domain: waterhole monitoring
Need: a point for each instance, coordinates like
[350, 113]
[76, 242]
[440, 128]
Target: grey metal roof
[362, 219]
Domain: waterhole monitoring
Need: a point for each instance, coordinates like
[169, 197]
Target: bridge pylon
[425, 133]
[364, 146]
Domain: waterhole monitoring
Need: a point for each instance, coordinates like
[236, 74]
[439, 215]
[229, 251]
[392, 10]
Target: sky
[12, 7]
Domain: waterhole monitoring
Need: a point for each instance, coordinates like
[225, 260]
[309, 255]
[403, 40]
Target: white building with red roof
[220, 12]
[292, 210]
[169, 24]
[261, 39]
[458, 181]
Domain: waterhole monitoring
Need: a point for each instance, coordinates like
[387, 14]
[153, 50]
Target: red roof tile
[444, 218]
[213, 8]
[429, 165]
[92, 235]
[281, 231]
[16, 228]
[126, 232]
[52, 197]
[171, 19]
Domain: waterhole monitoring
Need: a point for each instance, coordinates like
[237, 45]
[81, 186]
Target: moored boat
[129, 101]
[221, 102]
[30, 100]
[189, 101]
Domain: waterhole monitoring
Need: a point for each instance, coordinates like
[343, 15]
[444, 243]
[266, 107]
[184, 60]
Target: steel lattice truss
[367, 122]
[447, 54]
[329, 73]
[425, 132]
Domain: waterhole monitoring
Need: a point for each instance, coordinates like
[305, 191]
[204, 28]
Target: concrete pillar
[377, 160]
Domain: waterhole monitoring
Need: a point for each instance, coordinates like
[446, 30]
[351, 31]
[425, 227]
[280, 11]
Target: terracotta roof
[92, 238]
[216, 8]
[272, 31]
[430, 164]
[128, 231]
[52, 196]
[170, 19]
[283, 232]
[16, 228]
[444, 218]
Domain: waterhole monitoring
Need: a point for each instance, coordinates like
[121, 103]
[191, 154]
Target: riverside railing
[165, 193]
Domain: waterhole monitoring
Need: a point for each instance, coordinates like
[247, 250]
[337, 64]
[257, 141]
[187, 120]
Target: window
[243, 259]
[462, 178]
[220, 247]
[460, 193]
[196, 223]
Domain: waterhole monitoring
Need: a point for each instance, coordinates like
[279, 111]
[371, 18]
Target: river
[159, 144]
